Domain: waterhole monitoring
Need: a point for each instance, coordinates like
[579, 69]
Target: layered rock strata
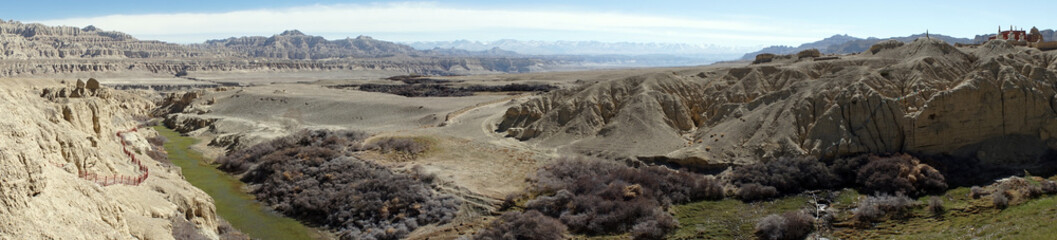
[51, 137]
[994, 102]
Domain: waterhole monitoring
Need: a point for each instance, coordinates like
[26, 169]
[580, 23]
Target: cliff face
[994, 103]
[55, 134]
[35, 49]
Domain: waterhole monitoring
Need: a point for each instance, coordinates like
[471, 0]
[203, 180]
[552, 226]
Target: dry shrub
[311, 177]
[157, 140]
[239, 161]
[529, 225]
[594, 197]
[936, 206]
[763, 58]
[755, 192]
[887, 44]
[976, 192]
[788, 226]
[810, 53]
[183, 229]
[1000, 198]
[416, 90]
[158, 154]
[408, 146]
[875, 208]
[787, 175]
[1048, 187]
[227, 232]
[157, 150]
[900, 174]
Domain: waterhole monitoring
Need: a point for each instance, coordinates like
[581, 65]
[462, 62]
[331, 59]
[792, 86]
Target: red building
[1018, 35]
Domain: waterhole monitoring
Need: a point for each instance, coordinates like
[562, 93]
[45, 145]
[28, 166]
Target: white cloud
[419, 21]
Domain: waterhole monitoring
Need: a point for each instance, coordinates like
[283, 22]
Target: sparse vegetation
[598, 197]
[183, 229]
[157, 149]
[793, 225]
[309, 176]
[900, 174]
[810, 53]
[426, 87]
[936, 206]
[1048, 186]
[875, 208]
[529, 225]
[416, 90]
[755, 192]
[1000, 197]
[763, 58]
[786, 175]
[407, 146]
[976, 192]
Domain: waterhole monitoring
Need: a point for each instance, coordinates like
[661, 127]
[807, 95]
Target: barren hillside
[993, 102]
[65, 175]
[36, 49]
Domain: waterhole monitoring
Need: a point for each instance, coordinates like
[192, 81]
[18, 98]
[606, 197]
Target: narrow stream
[235, 206]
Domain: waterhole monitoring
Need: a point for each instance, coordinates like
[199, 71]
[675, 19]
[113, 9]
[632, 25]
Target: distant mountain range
[844, 44]
[615, 53]
[583, 47]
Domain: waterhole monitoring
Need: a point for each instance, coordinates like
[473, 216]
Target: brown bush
[899, 174]
[529, 225]
[593, 196]
[227, 232]
[875, 208]
[887, 44]
[788, 175]
[158, 154]
[793, 225]
[936, 206]
[1048, 186]
[1000, 198]
[763, 58]
[976, 192]
[157, 140]
[810, 53]
[407, 146]
[310, 176]
[755, 192]
[183, 229]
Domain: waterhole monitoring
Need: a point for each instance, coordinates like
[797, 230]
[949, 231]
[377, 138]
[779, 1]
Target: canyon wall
[994, 102]
[56, 136]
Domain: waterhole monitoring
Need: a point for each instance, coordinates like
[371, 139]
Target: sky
[720, 23]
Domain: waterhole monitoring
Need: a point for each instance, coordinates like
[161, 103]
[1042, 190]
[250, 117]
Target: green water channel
[237, 207]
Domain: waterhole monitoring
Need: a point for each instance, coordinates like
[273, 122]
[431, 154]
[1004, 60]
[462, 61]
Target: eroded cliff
[994, 102]
[35, 49]
[55, 135]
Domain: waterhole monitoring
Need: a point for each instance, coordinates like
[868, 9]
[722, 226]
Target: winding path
[108, 180]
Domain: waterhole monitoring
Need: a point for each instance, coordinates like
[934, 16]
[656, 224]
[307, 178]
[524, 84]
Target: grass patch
[729, 218]
[964, 218]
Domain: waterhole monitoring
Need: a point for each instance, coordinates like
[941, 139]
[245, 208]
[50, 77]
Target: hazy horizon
[698, 24]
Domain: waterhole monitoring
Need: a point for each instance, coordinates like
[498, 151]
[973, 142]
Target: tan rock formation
[994, 103]
[52, 138]
[31, 50]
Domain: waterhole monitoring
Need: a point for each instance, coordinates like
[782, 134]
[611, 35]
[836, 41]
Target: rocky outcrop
[50, 139]
[35, 49]
[993, 103]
